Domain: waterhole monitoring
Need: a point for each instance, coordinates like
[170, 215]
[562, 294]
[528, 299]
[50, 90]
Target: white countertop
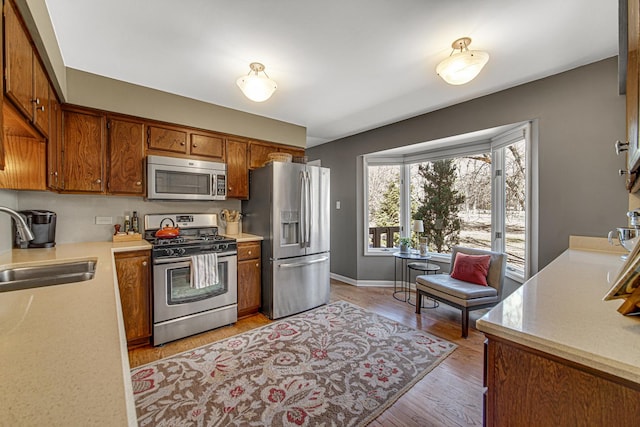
[560, 311]
[244, 237]
[63, 351]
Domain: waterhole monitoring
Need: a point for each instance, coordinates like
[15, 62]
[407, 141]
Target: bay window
[472, 194]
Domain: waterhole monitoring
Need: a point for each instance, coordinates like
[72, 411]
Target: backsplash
[76, 213]
[8, 199]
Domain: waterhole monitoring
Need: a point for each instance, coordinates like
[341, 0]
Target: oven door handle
[187, 259]
[302, 264]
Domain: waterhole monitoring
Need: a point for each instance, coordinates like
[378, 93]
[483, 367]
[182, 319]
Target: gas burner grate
[171, 241]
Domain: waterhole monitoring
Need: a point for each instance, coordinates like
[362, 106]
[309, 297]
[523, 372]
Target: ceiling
[342, 67]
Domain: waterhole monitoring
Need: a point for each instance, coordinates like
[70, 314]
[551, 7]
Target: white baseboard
[362, 283]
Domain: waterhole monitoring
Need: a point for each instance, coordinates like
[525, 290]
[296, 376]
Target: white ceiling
[342, 66]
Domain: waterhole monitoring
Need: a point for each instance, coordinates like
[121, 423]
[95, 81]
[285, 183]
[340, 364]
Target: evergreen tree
[440, 205]
[388, 213]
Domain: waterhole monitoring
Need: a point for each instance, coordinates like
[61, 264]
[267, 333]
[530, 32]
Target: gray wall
[579, 115]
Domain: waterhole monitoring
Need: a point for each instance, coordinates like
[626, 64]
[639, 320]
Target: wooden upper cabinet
[25, 169]
[54, 145]
[208, 145]
[83, 151]
[295, 152]
[2, 150]
[259, 154]
[41, 99]
[173, 140]
[237, 170]
[26, 80]
[632, 96]
[19, 61]
[126, 156]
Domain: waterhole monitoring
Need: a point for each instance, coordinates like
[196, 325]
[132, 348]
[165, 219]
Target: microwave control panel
[221, 185]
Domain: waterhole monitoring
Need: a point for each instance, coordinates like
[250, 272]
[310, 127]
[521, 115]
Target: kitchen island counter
[560, 312]
[63, 347]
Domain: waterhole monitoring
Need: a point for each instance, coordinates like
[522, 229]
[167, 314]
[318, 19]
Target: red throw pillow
[471, 268]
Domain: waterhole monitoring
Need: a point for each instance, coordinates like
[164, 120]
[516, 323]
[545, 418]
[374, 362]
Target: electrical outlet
[104, 220]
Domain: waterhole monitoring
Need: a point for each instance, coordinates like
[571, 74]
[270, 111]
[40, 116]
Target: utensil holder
[232, 228]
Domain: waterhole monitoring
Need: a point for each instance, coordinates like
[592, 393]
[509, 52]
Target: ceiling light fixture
[462, 67]
[257, 87]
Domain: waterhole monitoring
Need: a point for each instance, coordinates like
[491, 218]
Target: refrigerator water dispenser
[289, 226]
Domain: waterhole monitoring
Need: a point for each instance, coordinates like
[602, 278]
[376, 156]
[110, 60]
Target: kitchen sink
[36, 276]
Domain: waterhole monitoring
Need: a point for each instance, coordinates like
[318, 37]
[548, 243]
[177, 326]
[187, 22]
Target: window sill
[515, 275]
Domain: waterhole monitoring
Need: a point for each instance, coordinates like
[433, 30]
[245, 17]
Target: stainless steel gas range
[179, 308]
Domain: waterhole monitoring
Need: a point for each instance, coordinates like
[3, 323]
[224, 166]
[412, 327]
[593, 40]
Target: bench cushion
[464, 293]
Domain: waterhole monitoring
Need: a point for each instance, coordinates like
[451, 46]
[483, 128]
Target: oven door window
[173, 182]
[179, 290]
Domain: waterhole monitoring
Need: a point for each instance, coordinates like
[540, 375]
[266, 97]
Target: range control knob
[180, 251]
[168, 251]
[223, 246]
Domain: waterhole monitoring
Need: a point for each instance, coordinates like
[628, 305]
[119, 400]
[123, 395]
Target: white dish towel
[204, 270]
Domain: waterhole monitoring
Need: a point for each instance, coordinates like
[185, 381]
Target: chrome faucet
[23, 229]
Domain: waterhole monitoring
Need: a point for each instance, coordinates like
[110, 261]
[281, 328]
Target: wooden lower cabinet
[134, 274]
[526, 387]
[249, 278]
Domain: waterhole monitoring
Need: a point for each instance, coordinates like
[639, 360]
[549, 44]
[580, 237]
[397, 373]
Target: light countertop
[560, 311]
[63, 349]
[244, 237]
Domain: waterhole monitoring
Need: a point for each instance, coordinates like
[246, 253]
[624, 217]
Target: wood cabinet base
[528, 387]
[249, 278]
[134, 273]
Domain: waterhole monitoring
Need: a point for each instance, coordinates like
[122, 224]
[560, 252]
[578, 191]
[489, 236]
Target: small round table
[425, 268]
[405, 285]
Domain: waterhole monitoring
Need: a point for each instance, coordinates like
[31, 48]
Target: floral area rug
[337, 365]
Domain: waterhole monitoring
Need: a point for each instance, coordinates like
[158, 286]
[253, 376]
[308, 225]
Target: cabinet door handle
[36, 101]
[249, 252]
[621, 146]
[182, 143]
[138, 183]
[257, 264]
[194, 145]
[98, 181]
[144, 263]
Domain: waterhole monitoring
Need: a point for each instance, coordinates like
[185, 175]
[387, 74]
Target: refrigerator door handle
[302, 264]
[308, 209]
[303, 206]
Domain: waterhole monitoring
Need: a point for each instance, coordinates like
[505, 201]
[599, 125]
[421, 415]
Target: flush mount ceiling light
[255, 86]
[462, 67]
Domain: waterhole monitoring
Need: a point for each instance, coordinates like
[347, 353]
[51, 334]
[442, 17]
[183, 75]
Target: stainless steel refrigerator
[289, 205]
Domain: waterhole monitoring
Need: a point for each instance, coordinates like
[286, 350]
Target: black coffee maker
[43, 226]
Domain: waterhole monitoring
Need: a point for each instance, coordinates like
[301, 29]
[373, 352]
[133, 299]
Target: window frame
[452, 149]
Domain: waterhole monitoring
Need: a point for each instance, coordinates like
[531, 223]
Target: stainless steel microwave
[172, 178]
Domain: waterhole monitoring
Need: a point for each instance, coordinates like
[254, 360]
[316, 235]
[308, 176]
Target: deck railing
[383, 237]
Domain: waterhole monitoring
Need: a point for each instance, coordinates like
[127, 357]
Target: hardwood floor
[450, 395]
